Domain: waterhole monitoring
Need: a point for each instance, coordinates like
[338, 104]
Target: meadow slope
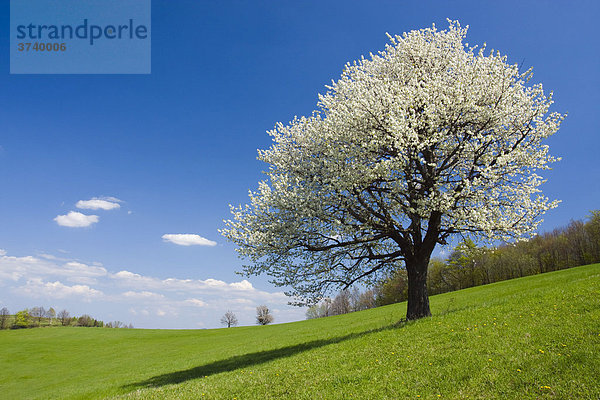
[531, 338]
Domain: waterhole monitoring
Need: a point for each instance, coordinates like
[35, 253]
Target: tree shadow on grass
[245, 360]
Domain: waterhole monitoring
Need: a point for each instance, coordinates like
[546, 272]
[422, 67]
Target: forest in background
[470, 265]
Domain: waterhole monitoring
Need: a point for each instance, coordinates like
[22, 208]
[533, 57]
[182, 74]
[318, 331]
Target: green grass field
[531, 338]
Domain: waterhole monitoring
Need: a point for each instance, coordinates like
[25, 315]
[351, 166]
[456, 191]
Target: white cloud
[96, 203]
[76, 219]
[195, 302]
[243, 285]
[127, 275]
[130, 279]
[141, 312]
[83, 280]
[241, 301]
[187, 239]
[75, 268]
[57, 290]
[2, 252]
[145, 295]
[15, 268]
[110, 198]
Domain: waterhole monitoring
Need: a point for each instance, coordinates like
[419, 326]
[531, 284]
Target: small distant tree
[86, 320]
[462, 264]
[4, 316]
[130, 326]
[394, 289]
[263, 315]
[229, 319]
[64, 317]
[37, 313]
[51, 314]
[341, 303]
[366, 300]
[354, 298]
[437, 277]
[22, 319]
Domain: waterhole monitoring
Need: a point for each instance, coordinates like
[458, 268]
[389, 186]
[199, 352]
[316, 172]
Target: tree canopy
[424, 140]
[229, 319]
[263, 315]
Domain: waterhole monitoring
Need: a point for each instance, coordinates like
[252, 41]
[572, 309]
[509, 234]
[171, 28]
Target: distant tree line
[470, 265]
[346, 301]
[40, 317]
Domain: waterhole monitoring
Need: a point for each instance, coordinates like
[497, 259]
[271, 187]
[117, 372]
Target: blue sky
[175, 147]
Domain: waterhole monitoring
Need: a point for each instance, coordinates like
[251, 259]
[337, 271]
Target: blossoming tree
[427, 139]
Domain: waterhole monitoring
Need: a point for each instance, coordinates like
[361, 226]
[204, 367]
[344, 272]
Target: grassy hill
[531, 338]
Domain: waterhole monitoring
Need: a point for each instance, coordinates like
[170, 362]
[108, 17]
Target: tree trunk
[418, 299]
